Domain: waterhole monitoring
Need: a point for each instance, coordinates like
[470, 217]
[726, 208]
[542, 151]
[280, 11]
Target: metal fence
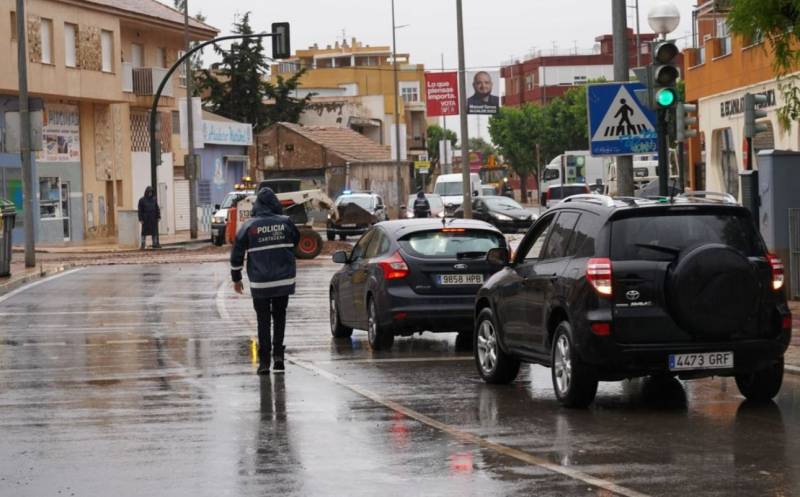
[794, 252]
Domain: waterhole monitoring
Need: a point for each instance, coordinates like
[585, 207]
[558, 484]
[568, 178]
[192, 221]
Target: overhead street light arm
[154, 109]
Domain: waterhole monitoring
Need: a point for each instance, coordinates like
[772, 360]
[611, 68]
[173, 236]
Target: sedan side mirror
[216, 207]
[498, 257]
[340, 257]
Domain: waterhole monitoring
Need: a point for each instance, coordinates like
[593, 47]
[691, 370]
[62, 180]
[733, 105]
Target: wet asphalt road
[140, 380]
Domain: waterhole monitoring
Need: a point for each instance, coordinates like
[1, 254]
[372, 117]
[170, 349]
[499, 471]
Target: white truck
[645, 170]
[579, 167]
[450, 188]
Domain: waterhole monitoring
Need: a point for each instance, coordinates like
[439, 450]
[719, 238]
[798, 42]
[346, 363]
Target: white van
[450, 188]
[580, 167]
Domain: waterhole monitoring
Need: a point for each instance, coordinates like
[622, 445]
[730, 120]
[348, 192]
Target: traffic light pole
[663, 153]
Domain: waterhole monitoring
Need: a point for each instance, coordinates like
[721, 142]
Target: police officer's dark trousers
[271, 311]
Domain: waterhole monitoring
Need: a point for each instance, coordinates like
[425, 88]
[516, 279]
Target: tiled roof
[154, 9]
[349, 144]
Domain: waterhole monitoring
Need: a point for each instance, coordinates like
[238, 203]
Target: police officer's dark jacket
[267, 239]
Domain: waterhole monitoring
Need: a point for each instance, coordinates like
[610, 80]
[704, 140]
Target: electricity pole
[28, 175]
[620, 33]
[189, 163]
[397, 155]
[444, 142]
[462, 87]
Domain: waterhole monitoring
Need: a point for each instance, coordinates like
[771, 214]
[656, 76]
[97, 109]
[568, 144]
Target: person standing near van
[267, 240]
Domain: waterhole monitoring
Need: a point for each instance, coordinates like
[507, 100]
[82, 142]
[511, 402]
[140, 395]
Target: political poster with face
[485, 88]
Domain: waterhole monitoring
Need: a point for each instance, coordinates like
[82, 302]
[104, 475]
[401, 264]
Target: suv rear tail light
[777, 271]
[394, 267]
[598, 273]
[601, 329]
[786, 322]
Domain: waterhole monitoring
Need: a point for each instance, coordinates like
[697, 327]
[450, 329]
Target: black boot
[278, 357]
[263, 362]
[141, 247]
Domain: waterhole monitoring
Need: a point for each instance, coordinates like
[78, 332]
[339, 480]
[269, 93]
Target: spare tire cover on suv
[712, 290]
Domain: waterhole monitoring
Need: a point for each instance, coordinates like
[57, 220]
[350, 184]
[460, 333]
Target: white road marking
[469, 437]
[123, 342]
[37, 283]
[106, 312]
[44, 344]
[393, 359]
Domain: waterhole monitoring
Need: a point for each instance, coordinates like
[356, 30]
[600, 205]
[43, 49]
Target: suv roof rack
[715, 197]
[591, 198]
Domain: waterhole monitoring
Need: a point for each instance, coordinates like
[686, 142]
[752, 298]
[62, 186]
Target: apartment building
[353, 85]
[720, 69]
[93, 66]
[545, 74]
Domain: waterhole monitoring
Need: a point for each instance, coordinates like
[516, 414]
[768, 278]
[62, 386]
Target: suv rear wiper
[469, 255]
[660, 248]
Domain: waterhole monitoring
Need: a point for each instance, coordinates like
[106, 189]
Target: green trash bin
[8, 215]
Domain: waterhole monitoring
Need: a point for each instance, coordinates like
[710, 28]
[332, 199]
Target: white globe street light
[664, 18]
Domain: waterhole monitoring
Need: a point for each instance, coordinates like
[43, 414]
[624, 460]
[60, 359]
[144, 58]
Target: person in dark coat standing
[149, 216]
[422, 208]
[267, 240]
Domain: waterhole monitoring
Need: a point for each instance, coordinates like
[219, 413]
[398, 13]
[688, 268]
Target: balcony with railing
[144, 81]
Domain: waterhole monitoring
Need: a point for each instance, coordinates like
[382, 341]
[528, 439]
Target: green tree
[435, 135]
[237, 87]
[559, 126]
[778, 22]
[516, 132]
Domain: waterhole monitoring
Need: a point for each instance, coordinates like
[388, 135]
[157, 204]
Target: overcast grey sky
[494, 30]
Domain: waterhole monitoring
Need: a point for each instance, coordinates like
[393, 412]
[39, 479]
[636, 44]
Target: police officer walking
[422, 208]
[268, 240]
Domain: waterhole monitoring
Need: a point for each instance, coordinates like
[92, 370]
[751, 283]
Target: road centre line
[454, 432]
[469, 437]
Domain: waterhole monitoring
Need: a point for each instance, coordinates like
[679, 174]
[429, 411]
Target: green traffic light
[666, 97]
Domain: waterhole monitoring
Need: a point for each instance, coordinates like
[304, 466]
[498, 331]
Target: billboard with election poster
[483, 88]
[441, 93]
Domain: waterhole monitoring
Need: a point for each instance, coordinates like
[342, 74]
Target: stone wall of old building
[34, 38]
[89, 49]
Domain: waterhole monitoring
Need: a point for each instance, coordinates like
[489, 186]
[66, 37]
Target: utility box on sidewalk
[128, 228]
[8, 216]
[779, 210]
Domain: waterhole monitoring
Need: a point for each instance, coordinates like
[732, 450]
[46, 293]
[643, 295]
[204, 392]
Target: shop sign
[227, 133]
[61, 134]
[736, 106]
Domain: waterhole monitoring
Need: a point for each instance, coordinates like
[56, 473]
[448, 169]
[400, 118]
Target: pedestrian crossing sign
[618, 123]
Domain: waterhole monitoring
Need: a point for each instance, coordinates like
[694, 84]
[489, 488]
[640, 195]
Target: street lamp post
[154, 158]
[466, 204]
[397, 155]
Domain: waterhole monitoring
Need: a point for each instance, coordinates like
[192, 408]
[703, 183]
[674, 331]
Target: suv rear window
[638, 238]
[451, 244]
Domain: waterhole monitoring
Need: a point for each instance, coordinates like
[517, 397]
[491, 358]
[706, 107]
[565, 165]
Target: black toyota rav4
[605, 289]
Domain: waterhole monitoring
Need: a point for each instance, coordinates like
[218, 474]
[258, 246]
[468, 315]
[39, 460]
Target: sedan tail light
[598, 273]
[394, 267]
[777, 271]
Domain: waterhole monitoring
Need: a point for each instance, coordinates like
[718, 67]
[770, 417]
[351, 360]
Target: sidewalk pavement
[109, 245]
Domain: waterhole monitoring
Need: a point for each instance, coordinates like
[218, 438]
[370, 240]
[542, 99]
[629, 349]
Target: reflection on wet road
[140, 380]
